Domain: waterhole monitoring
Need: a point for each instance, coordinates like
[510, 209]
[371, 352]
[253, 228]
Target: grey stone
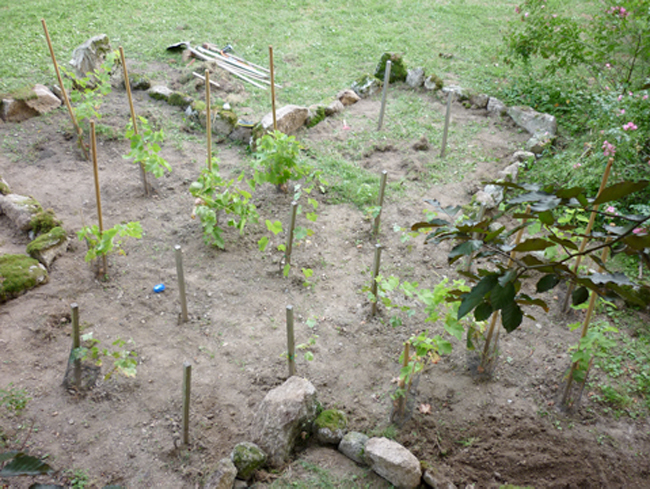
[479, 100]
[5, 189]
[247, 457]
[45, 101]
[336, 107]
[290, 118]
[415, 77]
[522, 157]
[330, 426]
[437, 481]
[317, 113]
[241, 134]
[484, 199]
[282, 417]
[538, 143]
[19, 209]
[353, 446]
[510, 172]
[348, 97]
[496, 107]
[532, 121]
[367, 85]
[89, 56]
[393, 462]
[496, 192]
[222, 476]
[16, 110]
[240, 484]
[459, 93]
[160, 92]
[433, 82]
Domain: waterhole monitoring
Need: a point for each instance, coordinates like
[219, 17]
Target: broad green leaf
[262, 243]
[23, 464]
[476, 295]
[483, 311]
[466, 248]
[286, 269]
[619, 190]
[579, 295]
[533, 244]
[501, 297]
[511, 316]
[547, 282]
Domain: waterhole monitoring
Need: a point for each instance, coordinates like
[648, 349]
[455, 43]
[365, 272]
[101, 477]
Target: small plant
[14, 399]
[309, 355]
[108, 241]
[277, 156]
[213, 195]
[79, 478]
[125, 361]
[145, 148]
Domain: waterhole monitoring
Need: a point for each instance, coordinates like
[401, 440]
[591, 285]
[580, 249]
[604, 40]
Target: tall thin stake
[292, 225]
[187, 381]
[585, 240]
[375, 273]
[208, 117]
[382, 189]
[98, 197]
[384, 94]
[73, 118]
[291, 345]
[275, 121]
[76, 342]
[446, 130]
[181, 282]
[134, 121]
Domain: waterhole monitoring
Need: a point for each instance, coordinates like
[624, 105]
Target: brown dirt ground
[126, 431]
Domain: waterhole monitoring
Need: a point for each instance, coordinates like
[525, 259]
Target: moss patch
[24, 93]
[333, 419]
[434, 79]
[47, 240]
[4, 187]
[139, 81]
[398, 69]
[44, 221]
[319, 115]
[179, 99]
[19, 273]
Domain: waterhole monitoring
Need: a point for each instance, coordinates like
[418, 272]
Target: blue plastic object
[159, 288]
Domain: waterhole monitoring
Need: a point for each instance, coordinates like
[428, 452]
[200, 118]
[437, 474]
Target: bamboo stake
[384, 94]
[201, 77]
[292, 225]
[486, 357]
[583, 332]
[181, 282]
[275, 121]
[73, 118]
[76, 342]
[375, 273]
[590, 226]
[382, 188]
[208, 118]
[446, 130]
[187, 380]
[291, 345]
[143, 173]
[93, 141]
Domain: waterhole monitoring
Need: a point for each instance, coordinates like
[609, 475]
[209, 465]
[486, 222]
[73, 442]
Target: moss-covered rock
[179, 99]
[398, 71]
[20, 209]
[49, 246]
[247, 457]
[367, 85]
[433, 82]
[43, 221]
[316, 115]
[4, 187]
[139, 81]
[330, 426]
[18, 274]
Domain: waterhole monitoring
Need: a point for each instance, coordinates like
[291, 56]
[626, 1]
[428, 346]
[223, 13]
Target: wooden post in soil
[400, 402]
[382, 189]
[76, 343]
[446, 130]
[489, 352]
[585, 240]
[181, 282]
[134, 121]
[208, 118]
[566, 401]
[187, 381]
[373, 284]
[291, 345]
[271, 71]
[384, 94]
[93, 141]
[292, 225]
[73, 118]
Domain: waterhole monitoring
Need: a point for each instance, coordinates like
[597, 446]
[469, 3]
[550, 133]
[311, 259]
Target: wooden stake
[181, 282]
[134, 121]
[585, 240]
[400, 406]
[382, 188]
[80, 138]
[446, 130]
[76, 342]
[292, 225]
[98, 197]
[275, 121]
[384, 94]
[375, 273]
[187, 380]
[291, 346]
[208, 117]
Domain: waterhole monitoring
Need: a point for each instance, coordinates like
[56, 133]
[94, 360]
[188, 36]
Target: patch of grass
[318, 478]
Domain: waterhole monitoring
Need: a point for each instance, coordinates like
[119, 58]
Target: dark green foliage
[44, 221]
[17, 274]
[398, 70]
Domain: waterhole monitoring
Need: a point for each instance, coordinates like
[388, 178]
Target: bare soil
[126, 431]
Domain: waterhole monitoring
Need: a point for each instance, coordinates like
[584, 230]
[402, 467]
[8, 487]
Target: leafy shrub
[145, 148]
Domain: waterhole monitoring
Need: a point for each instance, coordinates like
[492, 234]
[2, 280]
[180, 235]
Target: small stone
[247, 458]
[367, 85]
[433, 82]
[336, 107]
[160, 92]
[353, 446]
[480, 100]
[393, 462]
[348, 97]
[422, 144]
[496, 107]
[222, 476]
[415, 77]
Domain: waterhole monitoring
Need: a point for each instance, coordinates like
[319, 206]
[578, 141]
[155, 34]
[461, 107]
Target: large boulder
[532, 121]
[458, 93]
[49, 246]
[13, 110]
[18, 274]
[20, 209]
[398, 71]
[353, 446]
[290, 118]
[44, 100]
[330, 426]
[247, 457]
[283, 417]
[394, 463]
[160, 92]
[222, 475]
[90, 55]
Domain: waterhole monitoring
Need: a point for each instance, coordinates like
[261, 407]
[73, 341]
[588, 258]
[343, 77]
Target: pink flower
[630, 126]
[609, 149]
[608, 66]
[630, 93]
[526, 14]
[554, 16]
[638, 231]
[517, 10]
[645, 97]
[620, 97]
[611, 210]
[577, 165]
[622, 111]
